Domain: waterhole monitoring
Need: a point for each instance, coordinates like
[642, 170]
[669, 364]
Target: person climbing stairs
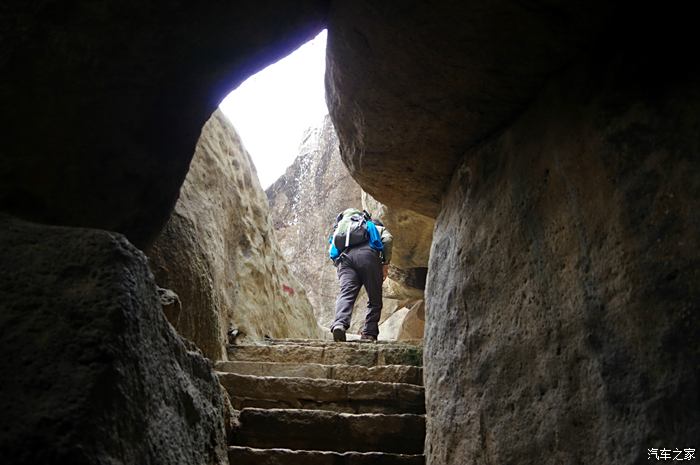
[313, 402]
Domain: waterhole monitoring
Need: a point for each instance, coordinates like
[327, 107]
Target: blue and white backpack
[353, 227]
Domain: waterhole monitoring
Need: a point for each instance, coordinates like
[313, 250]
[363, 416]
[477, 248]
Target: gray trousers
[359, 266]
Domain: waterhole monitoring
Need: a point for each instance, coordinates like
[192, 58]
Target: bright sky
[272, 109]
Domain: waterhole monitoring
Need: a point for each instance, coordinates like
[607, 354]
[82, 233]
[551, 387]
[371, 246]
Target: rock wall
[91, 370]
[411, 86]
[405, 286]
[304, 203]
[101, 104]
[124, 89]
[219, 252]
[563, 299]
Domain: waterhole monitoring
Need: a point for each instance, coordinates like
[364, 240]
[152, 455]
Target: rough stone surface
[171, 304]
[404, 324]
[287, 417]
[563, 295]
[413, 232]
[219, 253]
[251, 456]
[91, 370]
[322, 430]
[411, 87]
[563, 302]
[124, 89]
[323, 394]
[404, 288]
[364, 354]
[304, 203]
[385, 373]
[349, 344]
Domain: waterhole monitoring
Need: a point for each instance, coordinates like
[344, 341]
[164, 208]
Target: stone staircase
[324, 403]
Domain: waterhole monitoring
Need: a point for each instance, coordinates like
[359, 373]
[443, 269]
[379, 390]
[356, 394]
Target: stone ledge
[323, 394]
[251, 456]
[337, 354]
[330, 431]
[385, 373]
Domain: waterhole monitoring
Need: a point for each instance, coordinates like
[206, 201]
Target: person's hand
[385, 272]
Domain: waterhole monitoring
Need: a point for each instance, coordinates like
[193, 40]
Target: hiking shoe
[368, 338]
[338, 334]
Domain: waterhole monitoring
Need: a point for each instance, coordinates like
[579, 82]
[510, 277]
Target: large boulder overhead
[412, 85]
[102, 102]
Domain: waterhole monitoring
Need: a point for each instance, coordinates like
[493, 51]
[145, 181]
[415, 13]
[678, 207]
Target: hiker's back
[350, 229]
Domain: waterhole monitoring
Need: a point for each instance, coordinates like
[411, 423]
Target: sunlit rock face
[563, 288]
[116, 94]
[304, 203]
[92, 372]
[405, 323]
[219, 253]
[413, 234]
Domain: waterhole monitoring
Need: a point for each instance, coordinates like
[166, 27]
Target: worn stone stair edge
[322, 342]
[409, 374]
[306, 412]
[333, 346]
[316, 457]
[329, 382]
[332, 431]
[323, 394]
[218, 365]
[377, 355]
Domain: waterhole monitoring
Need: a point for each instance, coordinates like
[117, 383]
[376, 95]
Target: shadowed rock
[323, 394]
[92, 370]
[102, 102]
[321, 430]
[251, 456]
[563, 296]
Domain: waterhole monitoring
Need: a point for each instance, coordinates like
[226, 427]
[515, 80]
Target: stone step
[384, 373]
[333, 354]
[250, 456]
[330, 431]
[323, 394]
[322, 342]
